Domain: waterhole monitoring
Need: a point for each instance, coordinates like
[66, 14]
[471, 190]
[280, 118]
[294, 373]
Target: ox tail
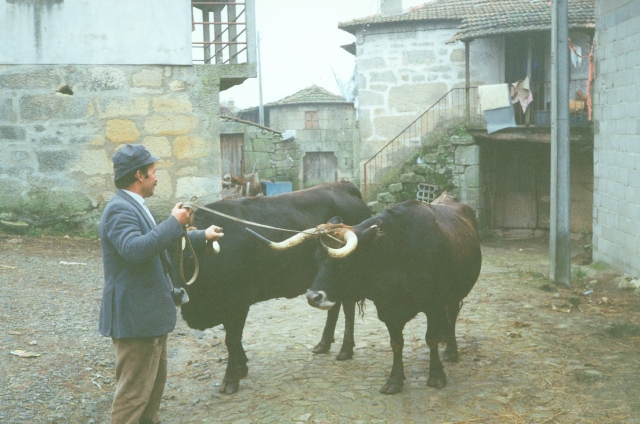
[361, 307]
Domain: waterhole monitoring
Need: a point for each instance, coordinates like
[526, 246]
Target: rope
[192, 204]
[186, 240]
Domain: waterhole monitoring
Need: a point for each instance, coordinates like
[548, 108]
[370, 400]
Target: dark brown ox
[411, 258]
[246, 271]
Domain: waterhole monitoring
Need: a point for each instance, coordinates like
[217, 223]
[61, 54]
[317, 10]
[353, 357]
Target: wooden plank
[580, 135]
[231, 150]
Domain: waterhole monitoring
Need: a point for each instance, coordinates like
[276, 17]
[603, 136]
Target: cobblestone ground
[526, 355]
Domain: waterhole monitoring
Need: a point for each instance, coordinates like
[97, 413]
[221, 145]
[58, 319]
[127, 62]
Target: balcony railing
[539, 110]
[223, 32]
[454, 109]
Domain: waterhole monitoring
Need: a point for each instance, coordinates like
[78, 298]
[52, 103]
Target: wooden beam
[582, 135]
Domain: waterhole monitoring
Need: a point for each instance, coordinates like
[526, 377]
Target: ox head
[338, 256]
[343, 262]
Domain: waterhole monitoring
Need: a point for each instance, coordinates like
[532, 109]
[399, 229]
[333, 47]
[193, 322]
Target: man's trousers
[141, 373]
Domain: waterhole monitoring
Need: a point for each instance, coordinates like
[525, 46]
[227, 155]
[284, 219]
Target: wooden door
[319, 167]
[231, 149]
[519, 185]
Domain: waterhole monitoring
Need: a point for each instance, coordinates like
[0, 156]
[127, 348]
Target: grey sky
[300, 44]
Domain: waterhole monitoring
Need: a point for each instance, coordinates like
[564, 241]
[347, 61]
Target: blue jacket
[136, 300]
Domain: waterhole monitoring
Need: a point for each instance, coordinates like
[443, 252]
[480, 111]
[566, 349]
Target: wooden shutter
[311, 120]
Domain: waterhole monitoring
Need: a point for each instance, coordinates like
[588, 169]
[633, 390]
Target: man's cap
[129, 158]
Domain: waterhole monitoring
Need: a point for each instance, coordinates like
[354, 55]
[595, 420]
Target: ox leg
[346, 351]
[451, 351]
[395, 382]
[237, 363]
[329, 330]
[436, 318]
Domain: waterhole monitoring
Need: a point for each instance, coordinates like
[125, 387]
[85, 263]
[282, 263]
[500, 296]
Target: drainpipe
[560, 235]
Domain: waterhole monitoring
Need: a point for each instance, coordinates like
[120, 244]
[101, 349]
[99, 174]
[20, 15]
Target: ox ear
[336, 220]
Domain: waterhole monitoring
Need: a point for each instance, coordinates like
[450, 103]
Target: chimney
[390, 7]
[231, 104]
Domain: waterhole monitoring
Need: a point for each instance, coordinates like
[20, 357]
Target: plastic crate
[271, 189]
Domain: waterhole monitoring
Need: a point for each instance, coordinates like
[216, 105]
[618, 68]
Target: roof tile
[313, 94]
[482, 18]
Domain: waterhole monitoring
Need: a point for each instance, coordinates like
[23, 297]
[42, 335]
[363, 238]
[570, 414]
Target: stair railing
[450, 110]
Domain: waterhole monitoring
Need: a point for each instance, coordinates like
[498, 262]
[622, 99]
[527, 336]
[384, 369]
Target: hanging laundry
[495, 96]
[521, 93]
[498, 119]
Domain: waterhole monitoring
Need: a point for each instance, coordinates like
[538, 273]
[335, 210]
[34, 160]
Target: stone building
[249, 148]
[71, 95]
[326, 132]
[616, 204]
[418, 73]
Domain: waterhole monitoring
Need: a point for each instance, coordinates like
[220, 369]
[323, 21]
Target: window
[311, 119]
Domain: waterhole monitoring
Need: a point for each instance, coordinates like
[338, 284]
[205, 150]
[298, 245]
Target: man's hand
[213, 233]
[183, 215]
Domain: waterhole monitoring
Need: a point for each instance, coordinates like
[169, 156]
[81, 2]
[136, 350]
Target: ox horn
[288, 243]
[351, 240]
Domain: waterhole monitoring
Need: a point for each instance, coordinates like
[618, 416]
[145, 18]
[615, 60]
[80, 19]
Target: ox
[246, 272]
[411, 258]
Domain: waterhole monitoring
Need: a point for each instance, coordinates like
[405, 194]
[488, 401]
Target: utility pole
[261, 106]
[560, 235]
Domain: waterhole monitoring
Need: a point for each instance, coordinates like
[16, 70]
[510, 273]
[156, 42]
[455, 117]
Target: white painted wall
[95, 32]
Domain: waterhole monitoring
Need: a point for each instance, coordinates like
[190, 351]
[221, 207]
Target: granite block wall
[59, 126]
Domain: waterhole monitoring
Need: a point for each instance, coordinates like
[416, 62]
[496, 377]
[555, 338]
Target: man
[137, 309]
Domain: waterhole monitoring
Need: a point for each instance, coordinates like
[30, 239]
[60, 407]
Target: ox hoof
[437, 381]
[321, 347]
[450, 356]
[344, 355]
[229, 387]
[391, 388]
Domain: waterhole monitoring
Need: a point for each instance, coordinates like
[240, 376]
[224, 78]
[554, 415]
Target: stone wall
[616, 211]
[55, 163]
[265, 151]
[337, 132]
[404, 68]
[452, 165]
